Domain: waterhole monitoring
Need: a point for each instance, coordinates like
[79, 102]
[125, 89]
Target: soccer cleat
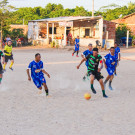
[72, 54]
[93, 90]
[110, 87]
[84, 78]
[4, 70]
[11, 68]
[105, 96]
[77, 56]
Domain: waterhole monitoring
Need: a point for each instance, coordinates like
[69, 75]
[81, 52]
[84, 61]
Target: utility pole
[92, 8]
[1, 36]
[127, 39]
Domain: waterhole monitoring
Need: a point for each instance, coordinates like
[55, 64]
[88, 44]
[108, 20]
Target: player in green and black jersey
[1, 69]
[94, 70]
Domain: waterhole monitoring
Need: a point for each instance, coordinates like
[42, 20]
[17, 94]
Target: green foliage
[10, 15]
[121, 31]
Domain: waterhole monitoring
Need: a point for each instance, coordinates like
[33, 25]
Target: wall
[111, 28]
[24, 27]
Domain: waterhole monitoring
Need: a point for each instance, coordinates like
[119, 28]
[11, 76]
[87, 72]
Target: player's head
[95, 52]
[112, 50]
[90, 47]
[115, 45]
[78, 37]
[37, 57]
[9, 43]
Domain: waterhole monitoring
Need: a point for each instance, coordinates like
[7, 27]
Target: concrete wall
[24, 27]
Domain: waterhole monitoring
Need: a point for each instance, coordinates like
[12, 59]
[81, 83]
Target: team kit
[93, 61]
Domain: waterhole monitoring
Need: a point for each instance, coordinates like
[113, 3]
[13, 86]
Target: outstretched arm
[28, 73]
[45, 73]
[119, 56]
[104, 63]
[101, 65]
[84, 59]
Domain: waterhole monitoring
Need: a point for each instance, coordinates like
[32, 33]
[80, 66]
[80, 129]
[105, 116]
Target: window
[87, 32]
[50, 30]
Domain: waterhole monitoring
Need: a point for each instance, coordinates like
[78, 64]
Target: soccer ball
[87, 96]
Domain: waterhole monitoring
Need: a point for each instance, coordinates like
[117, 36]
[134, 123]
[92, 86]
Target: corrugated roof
[128, 15]
[69, 18]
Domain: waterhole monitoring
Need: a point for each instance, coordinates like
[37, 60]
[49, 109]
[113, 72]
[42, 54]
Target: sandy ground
[24, 112]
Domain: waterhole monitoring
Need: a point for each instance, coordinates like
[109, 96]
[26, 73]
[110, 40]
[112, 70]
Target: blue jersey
[77, 44]
[111, 60]
[86, 53]
[117, 51]
[36, 69]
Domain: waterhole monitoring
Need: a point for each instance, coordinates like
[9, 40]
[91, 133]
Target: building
[17, 26]
[129, 20]
[66, 29]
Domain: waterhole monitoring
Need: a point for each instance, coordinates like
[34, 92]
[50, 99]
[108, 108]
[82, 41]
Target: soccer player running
[1, 69]
[110, 62]
[77, 40]
[37, 74]
[84, 55]
[94, 70]
[8, 55]
[118, 55]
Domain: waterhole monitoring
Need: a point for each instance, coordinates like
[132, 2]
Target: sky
[87, 4]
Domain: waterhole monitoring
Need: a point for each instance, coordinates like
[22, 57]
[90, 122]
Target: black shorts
[8, 58]
[1, 69]
[96, 74]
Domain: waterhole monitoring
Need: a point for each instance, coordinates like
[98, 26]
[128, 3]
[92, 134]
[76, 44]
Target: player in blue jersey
[117, 53]
[37, 74]
[84, 55]
[77, 40]
[110, 62]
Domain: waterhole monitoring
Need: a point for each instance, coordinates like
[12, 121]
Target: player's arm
[28, 73]
[82, 55]
[45, 73]
[101, 65]
[3, 59]
[5, 50]
[84, 59]
[119, 56]
[104, 63]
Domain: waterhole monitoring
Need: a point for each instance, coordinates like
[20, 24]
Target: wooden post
[52, 31]
[47, 31]
[92, 8]
[127, 39]
[65, 36]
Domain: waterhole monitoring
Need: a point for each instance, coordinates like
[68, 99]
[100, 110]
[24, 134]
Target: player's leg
[102, 87]
[77, 53]
[12, 62]
[43, 82]
[46, 89]
[73, 52]
[0, 77]
[92, 78]
[106, 80]
[5, 63]
[38, 85]
[110, 82]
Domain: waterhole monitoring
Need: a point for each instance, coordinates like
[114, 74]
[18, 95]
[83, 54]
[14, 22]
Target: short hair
[116, 43]
[37, 54]
[95, 49]
[112, 48]
[90, 44]
[8, 41]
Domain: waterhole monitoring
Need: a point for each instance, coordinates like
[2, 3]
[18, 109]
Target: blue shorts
[39, 81]
[110, 71]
